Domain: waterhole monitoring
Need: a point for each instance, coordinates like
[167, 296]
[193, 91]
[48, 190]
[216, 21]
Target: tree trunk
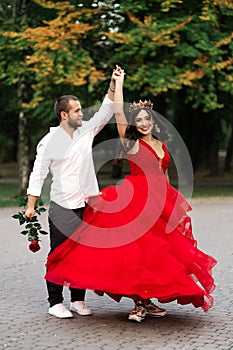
[23, 136]
[212, 160]
[229, 155]
[23, 143]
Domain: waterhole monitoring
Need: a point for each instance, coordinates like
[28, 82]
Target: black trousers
[62, 223]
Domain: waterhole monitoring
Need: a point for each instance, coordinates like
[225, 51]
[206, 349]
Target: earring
[157, 129]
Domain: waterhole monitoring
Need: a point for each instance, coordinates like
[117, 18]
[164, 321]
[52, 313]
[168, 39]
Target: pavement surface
[25, 323]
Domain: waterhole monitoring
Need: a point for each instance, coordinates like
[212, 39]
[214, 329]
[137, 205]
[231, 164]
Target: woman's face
[144, 122]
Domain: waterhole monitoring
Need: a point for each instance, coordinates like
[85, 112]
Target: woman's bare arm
[121, 120]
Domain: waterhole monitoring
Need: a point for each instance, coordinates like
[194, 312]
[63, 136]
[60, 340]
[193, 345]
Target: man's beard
[73, 125]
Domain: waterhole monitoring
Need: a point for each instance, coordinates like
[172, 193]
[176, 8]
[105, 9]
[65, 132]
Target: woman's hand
[118, 74]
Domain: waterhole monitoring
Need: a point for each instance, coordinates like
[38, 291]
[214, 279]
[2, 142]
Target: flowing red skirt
[134, 243]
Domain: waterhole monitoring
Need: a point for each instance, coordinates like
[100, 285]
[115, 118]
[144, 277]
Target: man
[66, 152]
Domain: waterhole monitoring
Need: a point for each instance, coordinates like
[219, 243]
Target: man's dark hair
[62, 104]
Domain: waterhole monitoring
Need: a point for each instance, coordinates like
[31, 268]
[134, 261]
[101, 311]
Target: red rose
[34, 246]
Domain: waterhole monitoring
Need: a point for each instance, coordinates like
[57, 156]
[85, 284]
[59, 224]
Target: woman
[137, 239]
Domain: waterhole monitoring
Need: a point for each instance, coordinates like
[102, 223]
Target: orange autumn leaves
[53, 52]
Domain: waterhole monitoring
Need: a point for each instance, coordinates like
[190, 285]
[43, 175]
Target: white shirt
[70, 161]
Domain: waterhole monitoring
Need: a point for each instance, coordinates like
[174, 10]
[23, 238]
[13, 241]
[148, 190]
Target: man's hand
[30, 211]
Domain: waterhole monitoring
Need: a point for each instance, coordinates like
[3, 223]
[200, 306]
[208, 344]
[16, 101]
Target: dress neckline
[152, 149]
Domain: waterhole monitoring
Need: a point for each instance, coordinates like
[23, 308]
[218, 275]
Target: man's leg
[78, 295]
[62, 223]
[55, 291]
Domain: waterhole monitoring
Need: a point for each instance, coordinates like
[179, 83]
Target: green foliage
[161, 51]
[170, 50]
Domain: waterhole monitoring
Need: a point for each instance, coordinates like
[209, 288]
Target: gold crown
[140, 104]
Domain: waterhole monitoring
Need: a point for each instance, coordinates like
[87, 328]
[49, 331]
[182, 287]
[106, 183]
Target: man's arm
[104, 114]
[111, 89]
[37, 177]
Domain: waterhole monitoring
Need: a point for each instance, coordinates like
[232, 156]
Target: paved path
[25, 324]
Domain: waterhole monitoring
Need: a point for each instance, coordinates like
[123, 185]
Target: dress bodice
[146, 160]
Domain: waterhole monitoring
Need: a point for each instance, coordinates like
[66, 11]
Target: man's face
[75, 114]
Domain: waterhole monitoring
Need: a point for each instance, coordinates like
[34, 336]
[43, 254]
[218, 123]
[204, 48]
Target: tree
[179, 56]
[42, 60]
[170, 48]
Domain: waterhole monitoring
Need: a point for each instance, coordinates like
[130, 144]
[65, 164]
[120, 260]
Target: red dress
[137, 241]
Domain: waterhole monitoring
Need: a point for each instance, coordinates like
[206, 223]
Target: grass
[8, 195]
[8, 191]
[201, 191]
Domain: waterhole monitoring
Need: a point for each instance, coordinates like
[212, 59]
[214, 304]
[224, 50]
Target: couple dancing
[131, 240]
